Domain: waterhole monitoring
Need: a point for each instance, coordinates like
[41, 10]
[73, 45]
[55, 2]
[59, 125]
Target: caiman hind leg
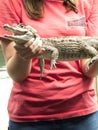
[91, 61]
[93, 53]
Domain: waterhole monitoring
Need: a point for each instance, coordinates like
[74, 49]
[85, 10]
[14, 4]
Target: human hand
[32, 48]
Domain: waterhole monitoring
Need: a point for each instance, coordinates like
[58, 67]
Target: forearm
[18, 57]
[18, 68]
[93, 70]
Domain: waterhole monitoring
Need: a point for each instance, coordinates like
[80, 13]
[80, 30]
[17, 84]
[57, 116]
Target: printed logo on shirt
[77, 22]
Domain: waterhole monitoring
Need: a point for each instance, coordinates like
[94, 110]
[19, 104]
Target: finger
[29, 43]
[37, 41]
[36, 46]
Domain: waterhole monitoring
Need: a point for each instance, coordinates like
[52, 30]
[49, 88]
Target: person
[65, 98]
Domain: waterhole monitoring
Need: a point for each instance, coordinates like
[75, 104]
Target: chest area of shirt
[58, 22]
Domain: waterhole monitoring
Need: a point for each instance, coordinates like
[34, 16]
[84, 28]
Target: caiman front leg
[91, 61]
[53, 53]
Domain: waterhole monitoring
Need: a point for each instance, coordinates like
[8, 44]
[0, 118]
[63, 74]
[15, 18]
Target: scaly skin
[57, 48]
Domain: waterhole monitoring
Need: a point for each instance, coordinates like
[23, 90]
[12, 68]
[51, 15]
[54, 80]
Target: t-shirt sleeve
[92, 17]
[9, 14]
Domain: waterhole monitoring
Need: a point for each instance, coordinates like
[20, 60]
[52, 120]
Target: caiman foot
[53, 64]
[91, 61]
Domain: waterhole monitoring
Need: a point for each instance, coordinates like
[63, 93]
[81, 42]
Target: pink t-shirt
[64, 91]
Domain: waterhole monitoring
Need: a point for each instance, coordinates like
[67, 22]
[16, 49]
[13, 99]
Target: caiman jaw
[15, 30]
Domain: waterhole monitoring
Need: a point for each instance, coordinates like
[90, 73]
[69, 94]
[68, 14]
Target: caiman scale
[64, 48]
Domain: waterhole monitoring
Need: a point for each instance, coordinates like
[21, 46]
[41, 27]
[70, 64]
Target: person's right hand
[32, 48]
